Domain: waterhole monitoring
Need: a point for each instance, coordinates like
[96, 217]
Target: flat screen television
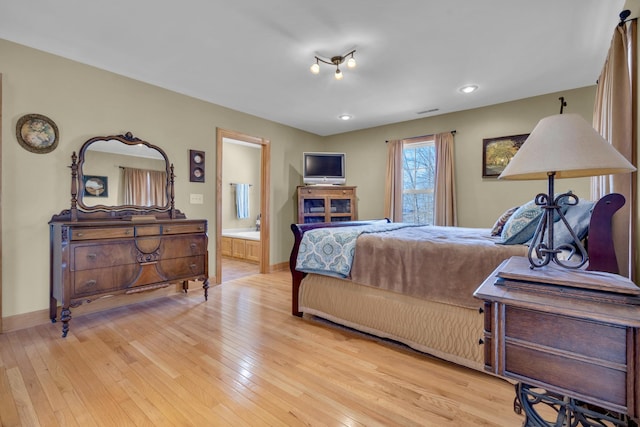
[323, 168]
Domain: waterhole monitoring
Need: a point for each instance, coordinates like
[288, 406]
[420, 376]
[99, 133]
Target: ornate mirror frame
[81, 211]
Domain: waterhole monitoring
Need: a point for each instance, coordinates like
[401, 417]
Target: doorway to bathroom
[242, 205]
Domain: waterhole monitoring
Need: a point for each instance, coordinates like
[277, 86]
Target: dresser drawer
[177, 268]
[86, 257]
[184, 228]
[102, 280]
[176, 247]
[148, 230]
[100, 233]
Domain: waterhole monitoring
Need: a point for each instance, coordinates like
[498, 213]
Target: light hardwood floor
[239, 359]
[233, 269]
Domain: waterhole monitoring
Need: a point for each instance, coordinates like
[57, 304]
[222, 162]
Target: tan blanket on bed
[444, 264]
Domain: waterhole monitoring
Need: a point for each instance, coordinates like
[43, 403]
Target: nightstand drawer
[582, 337]
[586, 379]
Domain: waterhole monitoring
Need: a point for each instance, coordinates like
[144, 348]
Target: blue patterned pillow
[579, 217]
[500, 222]
[522, 224]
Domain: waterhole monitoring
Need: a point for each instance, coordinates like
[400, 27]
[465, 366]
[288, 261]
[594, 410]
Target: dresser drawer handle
[480, 341]
[127, 232]
[79, 234]
[90, 283]
[167, 230]
[201, 228]
[193, 245]
[193, 266]
[481, 310]
[92, 256]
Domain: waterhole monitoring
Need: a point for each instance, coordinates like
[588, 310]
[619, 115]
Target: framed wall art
[95, 186]
[37, 133]
[196, 166]
[497, 152]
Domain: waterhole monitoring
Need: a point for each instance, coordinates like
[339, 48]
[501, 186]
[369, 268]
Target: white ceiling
[254, 55]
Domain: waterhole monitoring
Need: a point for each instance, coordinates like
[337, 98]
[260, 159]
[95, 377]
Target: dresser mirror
[102, 166]
[122, 234]
[121, 176]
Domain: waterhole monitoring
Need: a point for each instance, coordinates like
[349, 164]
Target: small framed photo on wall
[497, 152]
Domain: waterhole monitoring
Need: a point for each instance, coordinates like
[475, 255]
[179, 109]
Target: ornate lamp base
[567, 411]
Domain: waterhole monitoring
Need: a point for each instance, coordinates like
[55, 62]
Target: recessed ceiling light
[344, 117]
[468, 88]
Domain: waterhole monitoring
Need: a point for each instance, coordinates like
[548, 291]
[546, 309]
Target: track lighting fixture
[336, 60]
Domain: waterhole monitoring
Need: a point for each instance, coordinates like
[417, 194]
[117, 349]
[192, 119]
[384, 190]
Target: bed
[413, 284]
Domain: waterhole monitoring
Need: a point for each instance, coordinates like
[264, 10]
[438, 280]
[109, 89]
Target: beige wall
[480, 201]
[85, 102]
[241, 165]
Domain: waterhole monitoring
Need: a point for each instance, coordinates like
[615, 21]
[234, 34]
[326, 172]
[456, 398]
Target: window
[418, 181]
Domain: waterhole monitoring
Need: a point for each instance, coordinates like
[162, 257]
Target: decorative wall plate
[37, 133]
[196, 166]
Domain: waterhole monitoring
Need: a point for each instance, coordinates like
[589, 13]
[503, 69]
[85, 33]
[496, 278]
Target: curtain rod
[422, 136]
[237, 183]
[623, 17]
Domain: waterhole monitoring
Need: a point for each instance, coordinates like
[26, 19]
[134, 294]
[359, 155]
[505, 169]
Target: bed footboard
[298, 231]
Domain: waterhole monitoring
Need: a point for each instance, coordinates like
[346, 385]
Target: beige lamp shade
[567, 145]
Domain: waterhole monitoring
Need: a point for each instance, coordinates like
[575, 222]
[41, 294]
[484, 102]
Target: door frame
[1, 203]
[265, 167]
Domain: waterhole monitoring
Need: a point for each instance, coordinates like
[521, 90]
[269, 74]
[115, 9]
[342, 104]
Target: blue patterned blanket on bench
[329, 251]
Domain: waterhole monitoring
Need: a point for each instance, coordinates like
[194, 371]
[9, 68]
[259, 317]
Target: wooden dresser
[569, 337]
[93, 259]
[101, 248]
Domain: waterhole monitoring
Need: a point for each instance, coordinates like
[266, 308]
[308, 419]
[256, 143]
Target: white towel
[242, 201]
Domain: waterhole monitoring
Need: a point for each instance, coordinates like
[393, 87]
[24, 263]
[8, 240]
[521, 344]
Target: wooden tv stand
[326, 203]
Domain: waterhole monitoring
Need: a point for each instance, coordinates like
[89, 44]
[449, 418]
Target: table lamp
[561, 146]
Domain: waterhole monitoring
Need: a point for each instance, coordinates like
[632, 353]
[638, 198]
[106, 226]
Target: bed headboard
[602, 255]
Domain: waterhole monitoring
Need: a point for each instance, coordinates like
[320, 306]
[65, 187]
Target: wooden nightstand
[569, 337]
